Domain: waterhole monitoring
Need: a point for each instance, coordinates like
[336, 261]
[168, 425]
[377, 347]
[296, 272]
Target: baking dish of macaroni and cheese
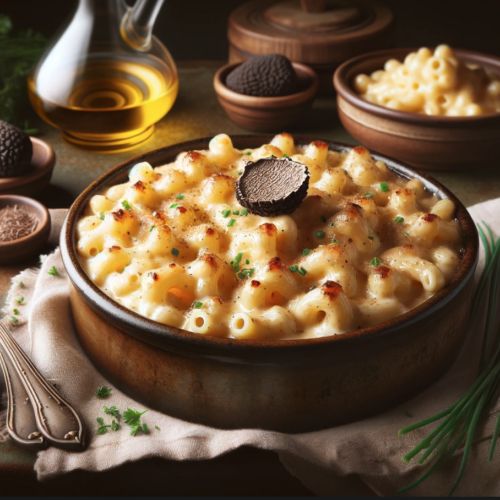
[201, 308]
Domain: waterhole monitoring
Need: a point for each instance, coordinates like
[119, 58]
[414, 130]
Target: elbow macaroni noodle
[174, 245]
[433, 84]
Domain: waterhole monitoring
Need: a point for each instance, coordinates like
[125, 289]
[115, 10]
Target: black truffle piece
[272, 186]
[15, 151]
[264, 76]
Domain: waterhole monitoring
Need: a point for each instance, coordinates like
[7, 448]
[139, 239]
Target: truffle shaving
[272, 186]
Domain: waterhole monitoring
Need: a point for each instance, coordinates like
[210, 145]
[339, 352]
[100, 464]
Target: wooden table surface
[245, 471]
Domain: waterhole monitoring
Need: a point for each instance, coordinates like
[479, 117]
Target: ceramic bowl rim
[42, 215]
[165, 337]
[342, 83]
[223, 91]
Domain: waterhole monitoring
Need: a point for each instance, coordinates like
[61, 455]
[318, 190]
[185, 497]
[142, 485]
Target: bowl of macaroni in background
[287, 385]
[427, 142]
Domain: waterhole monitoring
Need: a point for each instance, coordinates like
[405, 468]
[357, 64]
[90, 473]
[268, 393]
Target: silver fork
[37, 415]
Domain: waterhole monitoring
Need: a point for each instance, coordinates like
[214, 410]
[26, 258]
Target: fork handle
[56, 419]
[21, 423]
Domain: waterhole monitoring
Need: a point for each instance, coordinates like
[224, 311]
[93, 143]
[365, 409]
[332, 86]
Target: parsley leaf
[126, 205]
[103, 392]
[133, 419]
[197, 304]
[384, 187]
[375, 262]
[113, 411]
[53, 271]
[235, 263]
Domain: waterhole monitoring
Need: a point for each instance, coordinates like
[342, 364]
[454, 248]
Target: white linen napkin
[369, 449]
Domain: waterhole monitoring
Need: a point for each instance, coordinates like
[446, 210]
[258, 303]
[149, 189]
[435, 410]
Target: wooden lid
[309, 31]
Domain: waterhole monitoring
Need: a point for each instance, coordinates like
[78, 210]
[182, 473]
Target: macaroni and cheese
[433, 83]
[174, 245]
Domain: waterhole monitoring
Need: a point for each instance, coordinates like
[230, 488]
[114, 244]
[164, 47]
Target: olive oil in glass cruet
[106, 80]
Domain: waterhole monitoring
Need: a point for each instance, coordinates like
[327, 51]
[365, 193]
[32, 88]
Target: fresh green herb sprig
[20, 50]
[53, 271]
[103, 392]
[133, 419]
[459, 422]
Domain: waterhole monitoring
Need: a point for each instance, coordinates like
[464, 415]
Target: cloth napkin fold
[369, 449]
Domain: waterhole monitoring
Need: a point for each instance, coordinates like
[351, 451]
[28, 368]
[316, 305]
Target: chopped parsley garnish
[247, 261]
[151, 228]
[286, 156]
[175, 251]
[133, 419]
[306, 252]
[53, 271]
[231, 223]
[368, 195]
[235, 263]
[246, 273]
[297, 269]
[101, 216]
[226, 212]
[126, 205]
[384, 187]
[244, 212]
[157, 428]
[103, 392]
[14, 320]
[22, 285]
[398, 219]
[180, 196]
[375, 262]
[319, 234]
[174, 205]
[102, 426]
[16, 311]
[335, 241]
[20, 301]
[197, 304]
[236, 212]
[113, 411]
[248, 153]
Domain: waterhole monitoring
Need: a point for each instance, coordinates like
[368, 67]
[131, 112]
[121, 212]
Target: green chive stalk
[458, 424]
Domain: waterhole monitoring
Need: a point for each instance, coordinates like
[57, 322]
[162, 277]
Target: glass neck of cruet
[138, 22]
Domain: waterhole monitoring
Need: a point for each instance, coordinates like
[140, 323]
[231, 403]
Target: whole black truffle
[272, 186]
[15, 150]
[264, 76]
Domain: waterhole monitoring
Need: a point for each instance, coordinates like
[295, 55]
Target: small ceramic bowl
[293, 386]
[38, 177]
[425, 142]
[31, 244]
[266, 114]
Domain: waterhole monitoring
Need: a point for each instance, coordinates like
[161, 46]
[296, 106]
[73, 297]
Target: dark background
[196, 29]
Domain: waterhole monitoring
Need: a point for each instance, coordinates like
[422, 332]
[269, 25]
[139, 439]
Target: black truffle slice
[264, 76]
[272, 186]
[15, 151]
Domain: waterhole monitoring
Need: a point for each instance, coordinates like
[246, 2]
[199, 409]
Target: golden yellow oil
[112, 104]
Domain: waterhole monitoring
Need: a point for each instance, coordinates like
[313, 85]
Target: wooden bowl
[30, 245]
[319, 33]
[38, 177]
[265, 114]
[425, 142]
[294, 385]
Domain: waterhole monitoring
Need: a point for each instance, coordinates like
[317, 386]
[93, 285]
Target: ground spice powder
[15, 223]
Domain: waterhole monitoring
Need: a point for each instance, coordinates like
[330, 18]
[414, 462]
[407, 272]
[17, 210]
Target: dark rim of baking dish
[345, 73]
[168, 337]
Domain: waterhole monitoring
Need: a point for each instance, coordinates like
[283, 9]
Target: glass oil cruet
[106, 80]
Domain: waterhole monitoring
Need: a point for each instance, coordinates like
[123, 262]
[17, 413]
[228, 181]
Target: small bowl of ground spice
[24, 228]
